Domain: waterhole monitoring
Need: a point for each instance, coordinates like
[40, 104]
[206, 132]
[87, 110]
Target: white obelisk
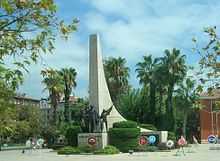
[99, 96]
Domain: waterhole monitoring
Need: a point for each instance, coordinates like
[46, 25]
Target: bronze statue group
[91, 121]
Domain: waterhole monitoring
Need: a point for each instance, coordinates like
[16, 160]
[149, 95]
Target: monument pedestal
[97, 140]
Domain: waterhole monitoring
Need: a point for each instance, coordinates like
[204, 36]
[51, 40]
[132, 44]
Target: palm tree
[54, 85]
[131, 105]
[186, 100]
[117, 74]
[69, 79]
[161, 87]
[174, 63]
[146, 74]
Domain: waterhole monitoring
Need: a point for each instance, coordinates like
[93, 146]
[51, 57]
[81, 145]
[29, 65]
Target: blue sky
[128, 28]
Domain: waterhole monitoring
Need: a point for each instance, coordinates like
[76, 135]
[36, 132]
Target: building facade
[26, 101]
[210, 115]
[42, 104]
[45, 106]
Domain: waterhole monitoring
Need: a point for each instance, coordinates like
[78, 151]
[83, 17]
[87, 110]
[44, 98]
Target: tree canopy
[28, 28]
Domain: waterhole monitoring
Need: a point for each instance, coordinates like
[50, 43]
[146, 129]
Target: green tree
[76, 108]
[209, 59]
[186, 101]
[55, 85]
[176, 68]
[117, 74]
[28, 122]
[132, 105]
[69, 79]
[29, 28]
[146, 74]
[7, 112]
[161, 89]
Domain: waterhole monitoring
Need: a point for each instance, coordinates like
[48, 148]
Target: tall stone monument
[99, 98]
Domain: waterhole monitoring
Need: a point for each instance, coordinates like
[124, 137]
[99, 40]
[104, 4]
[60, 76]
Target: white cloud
[132, 28]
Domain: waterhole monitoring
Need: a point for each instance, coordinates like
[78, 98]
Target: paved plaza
[202, 154]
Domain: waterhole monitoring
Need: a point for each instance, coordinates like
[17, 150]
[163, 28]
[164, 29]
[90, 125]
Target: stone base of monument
[97, 140]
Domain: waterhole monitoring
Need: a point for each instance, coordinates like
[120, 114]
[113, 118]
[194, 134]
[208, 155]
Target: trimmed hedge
[124, 139]
[107, 150]
[68, 151]
[148, 126]
[125, 124]
[146, 148]
[72, 135]
[124, 133]
[56, 146]
[87, 149]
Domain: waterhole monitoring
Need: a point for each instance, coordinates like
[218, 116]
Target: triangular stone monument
[99, 100]
[99, 96]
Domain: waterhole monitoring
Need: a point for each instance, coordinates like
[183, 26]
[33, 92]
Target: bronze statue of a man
[103, 118]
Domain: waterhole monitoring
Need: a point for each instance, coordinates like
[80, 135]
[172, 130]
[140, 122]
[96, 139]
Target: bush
[107, 150]
[152, 148]
[124, 133]
[72, 135]
[171, 136]
[56, 146]
[148, 126]
[125, 124]
[68, 151]
[124, 138]
[87, 149]
[146, 148]
[141, 148]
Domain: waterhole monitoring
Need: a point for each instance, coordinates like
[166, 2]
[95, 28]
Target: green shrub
[72, 135]
[141, 148]
[56, 146]
[152, 148]
[87, 149]
[146, 148]
[107, 150]
[148, 126]
[125, 124]
[124, 138]
[68, 150]
[171, 136]
[124, 133]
